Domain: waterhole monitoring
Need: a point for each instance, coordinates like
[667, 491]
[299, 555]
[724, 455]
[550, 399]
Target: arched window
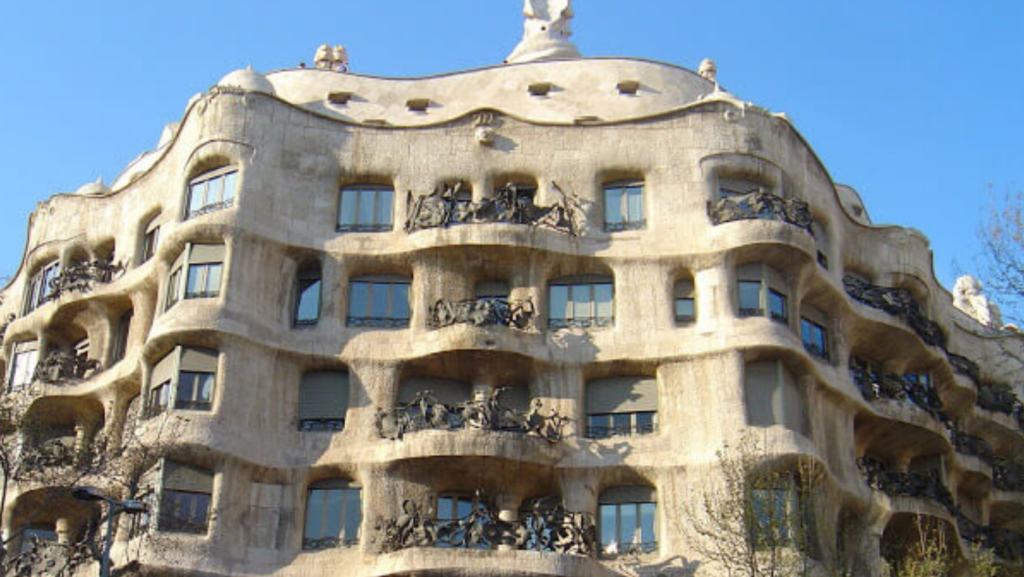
[620, 406]
[23, 366]
[39, 288]
[772, 398]
[198, 273]
[124, 327]
[627, 519]
[150, 240]
[307, 295]
[334, 511]
[211, 191]
[685, 302]
[814, 331]
[323, 401]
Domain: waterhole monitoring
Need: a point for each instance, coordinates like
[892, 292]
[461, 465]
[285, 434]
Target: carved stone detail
[762, 205]
[446, 207]
[483, 312]
[483, 413]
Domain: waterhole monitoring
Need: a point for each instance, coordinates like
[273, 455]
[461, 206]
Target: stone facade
[321, 283]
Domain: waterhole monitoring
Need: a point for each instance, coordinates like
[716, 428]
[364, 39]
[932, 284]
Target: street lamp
[114, 508]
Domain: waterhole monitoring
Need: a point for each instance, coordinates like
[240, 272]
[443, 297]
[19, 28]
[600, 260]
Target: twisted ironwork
[898, 302]
[484, 311]
[762, 205]
[445, 207]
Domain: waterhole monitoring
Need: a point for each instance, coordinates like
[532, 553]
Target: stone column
[63, 527]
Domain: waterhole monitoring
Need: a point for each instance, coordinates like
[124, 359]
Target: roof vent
[540, 88]
[339, 98]
[628, 87]
[417, 104]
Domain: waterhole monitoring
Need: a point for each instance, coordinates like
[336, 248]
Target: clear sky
[918, 105]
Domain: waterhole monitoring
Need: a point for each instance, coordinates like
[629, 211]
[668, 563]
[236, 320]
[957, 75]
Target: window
[186, 374]
[211, 191]
[773, 513]
[584, 302]
[365, 209]
[624, 206]
[30, 535]
[333, 514]
[203, 266]
[23, 366]
[150, 242]
[813, 332]
[323, 401]
[685, 304]
[626, 520]
[772, 398]
[379, 302]
[307, 298]
[185, 498]
[124, 327]
[621, 406]
[761, 291]
[40, 287]
[454, 510]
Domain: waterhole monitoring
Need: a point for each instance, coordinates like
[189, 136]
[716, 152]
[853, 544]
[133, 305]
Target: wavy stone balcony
[898, 302]
[875, 386]
[1000, 398]
[1008, 475]
[762, 205]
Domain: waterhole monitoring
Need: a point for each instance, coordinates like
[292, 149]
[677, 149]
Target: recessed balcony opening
[44, 517]
[59, 433]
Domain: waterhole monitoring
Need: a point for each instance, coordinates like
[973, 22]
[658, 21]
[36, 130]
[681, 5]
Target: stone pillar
[509, 514]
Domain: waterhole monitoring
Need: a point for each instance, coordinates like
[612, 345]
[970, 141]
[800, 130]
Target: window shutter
[684, 289]
[813, 313]
[750, 271]
[628, 494]
[264, 514]
[622, 395]
[198, 360]
[206, 253]
[493, 288]
[323, 395]
[762, 394]
[181, 477]
[163, 370]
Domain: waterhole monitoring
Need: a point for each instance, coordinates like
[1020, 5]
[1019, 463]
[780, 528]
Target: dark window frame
[354, 220]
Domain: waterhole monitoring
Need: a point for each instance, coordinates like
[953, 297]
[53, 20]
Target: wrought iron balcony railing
[378, 322]
[607, 432]
[547, 526]
[448, 206]
[332, 425]
[762, 205]
[65, 367]
[968, 444]
[1008, 475]
[323, 543]
[490, 413]
[926, 484]
[898, 302]
[484, 311]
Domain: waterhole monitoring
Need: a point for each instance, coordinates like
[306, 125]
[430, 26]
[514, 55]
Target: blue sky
[919, 105]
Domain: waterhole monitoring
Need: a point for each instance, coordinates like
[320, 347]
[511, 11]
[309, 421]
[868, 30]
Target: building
[493, 322]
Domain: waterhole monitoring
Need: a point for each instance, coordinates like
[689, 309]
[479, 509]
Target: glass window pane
[186, 386]
[192, 284]
[366, 206]
[309, 301]
[195, 196]
[627, 523]
[603, 296]
[622, 423]
[559, 302]
[212, 279]
[353, 514]
[359, 298]
[635, 204]
[214, 190]
[685, 309]
[384, 199]
[613, 205]
[607, 524]
[379, 300]
[400, 301]
[750, 295]
[314, 514]
[599, 426]
[806, 332]
[777, 305]
[465, 507]
[332, 516]
[347, 211]
[644, 422]
[582, 302]
[205, 387]
[230, 181]
[445, 508]
[647, 514]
